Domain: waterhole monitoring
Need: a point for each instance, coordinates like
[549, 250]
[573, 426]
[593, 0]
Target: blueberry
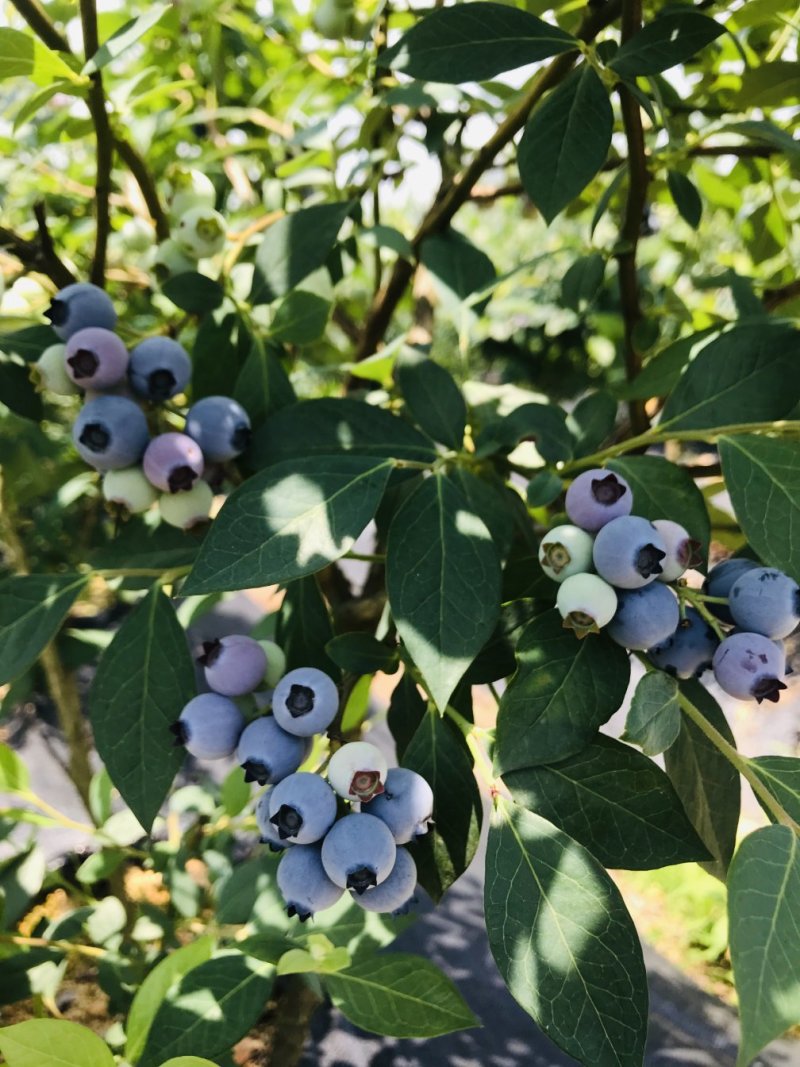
[305, 701]
[357, 771]
[160, 368]
[690, 649]
[586, 603]
[170, 260]
[303, 883]
[645, 617]
[302, 808]
[110, 432]
[200, 232]
[209, 727]
[220, 426]
[268, 754]
[188, 509]
[233, 665]
[396, 893]
[95, 358]
[683, 551]
[188, 188]
[564, 551]
[719, 581]
[358, 852]
[78, 306]
[750, 667]
[51, 373]
[596, 497]
[628, 552]
[406, 804]
[268, 833]
[765, 601]
[129, 490]
[173, 462]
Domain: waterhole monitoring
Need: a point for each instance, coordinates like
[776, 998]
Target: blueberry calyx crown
[361, 879]
[556, 556]
[300, 701]
[365, 785]
[181, 478]
[160, 384]
[608, 490]
[581, 622]
[211, 652]
[648, 561]
[768, 689]
[293, 910]
[57, 313]
[181, 733]
[84, 363]
[287, 821]
[95, 437]
[256, 771]
[240, 438]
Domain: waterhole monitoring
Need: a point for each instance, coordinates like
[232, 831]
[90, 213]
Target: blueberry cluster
[121, 389]
[614, 570]
[329, 847]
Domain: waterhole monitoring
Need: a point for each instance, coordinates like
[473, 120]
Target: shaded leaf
[304, 627]
[32, 608]
[300, 318]
[361, 653]
[781, 776]
[686, 197]
[433, 399]
[668, 40]
[193, 292]
[654, 719]
[293, 247]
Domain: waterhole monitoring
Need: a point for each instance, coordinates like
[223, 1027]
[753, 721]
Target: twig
[39, 21]
[96, 101]
[39, 255]
[773, 298]
[138, 168]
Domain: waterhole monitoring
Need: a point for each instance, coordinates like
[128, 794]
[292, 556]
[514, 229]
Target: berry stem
[69, 947]
[698, 602]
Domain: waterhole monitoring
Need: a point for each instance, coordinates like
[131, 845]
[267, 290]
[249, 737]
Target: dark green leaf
[706, 782]
[32, 607]
[21, 878]
[17, 391]
[563, 941]
[566, 142]
[591, 422]
[194, 292]
[748, 374]
[399, 995]
[581, 283]
[439, 753]
[544, 424]
[472, 42]
[21, 974]
[491, 501]
[607, 197]
[461, 268]
[293, 247]
[443, 583]
[138, 547]
[433, 399]
[563, 691]
[762, 475]
[144, 679]
[407, 708]
[300, 318]
[543, 489]
[53, 1043]
[497, 658]
[216, 360]
[670, 39]
[781, 776]
[763, 906]
[615, 802]
[263, 387]
[654, 719]
[288, 521]
[236, 893]
[361, 653]
[304, 627]
[686, 197]
[28, 343]
[662, 372]
[125, 36]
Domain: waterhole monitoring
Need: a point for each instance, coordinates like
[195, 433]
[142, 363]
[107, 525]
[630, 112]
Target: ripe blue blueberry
[396, 893]
[302, 808]
[159, 368]
[220, 426]
[721, 578]
[406, 805]
[596, 497]
[358, 852]
[173, 462]
[209, 727]
[80, 305]
[268, 833]
[564, 551]
[750, 667]
[357, 771]
[95, 358]
[645, 617]
[689, 651]
[233, 665]
[110, 432]
[765, 601]
[185, 510]
[628, 552]
[682, 550]
[305, 701]
[586, 603]
[303, 883]
[268, 754]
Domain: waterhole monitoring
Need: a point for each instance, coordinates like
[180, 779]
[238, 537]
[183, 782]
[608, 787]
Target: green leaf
[591, 422]
[236, 893]
[670, 39]
[193, 292]
[460, 267]
[747, 374]
[361, 653]
[188, 1061]
[433, 399]
[288, 521]
[543, 489]
[304, 627]
[400, 996]
[544, 424]
[125, 36]
[263, 386]
[293, 247]
[762, 476]
[216, 358]
[662, 372]
[144, 679]
[388, 237]
[566, 142]
[763, 906]
[32, 608]
[212, 1007]
[686, 197]
[663, 490]
[53, 1043]
[407, 709]
[491, 501]
[21, 878]
[615, 802]
[706, 782]
[473, 42]
[562, 692]
[137, 547]
[17, 391]
[327, 426]
[654, 719]
[24, 56]
[781, 776]
[439, 753]
[14, 776]
[563, 941]
[581, 283]
[443, 583]
[300, 318]
[773, 84]
[235, 792]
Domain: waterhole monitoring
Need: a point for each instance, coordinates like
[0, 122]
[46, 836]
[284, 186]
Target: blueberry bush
[469, 329]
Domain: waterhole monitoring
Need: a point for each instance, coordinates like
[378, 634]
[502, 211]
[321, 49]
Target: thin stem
[698, 602]
[70, 947]
[96, 101]
[56, 815]
[144, 572]
[365, 557]
[144, 179]
[493, 690]
[39, 255]
[39, 21]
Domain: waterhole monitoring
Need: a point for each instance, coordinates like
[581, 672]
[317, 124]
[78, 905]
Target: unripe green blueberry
[137, 235]
[187, 188]
[129, 489]
[276, 663]
[170, 260]
[586, 603]
[564, 551]
[50, 373]
[189, 508]
[357, 771]
[200, 232]
[333, 19]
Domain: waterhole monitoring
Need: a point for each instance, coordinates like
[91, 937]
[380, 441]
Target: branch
[39, 255]
[96, 100]
[773, 298]
[39, 21]
[138, 168]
